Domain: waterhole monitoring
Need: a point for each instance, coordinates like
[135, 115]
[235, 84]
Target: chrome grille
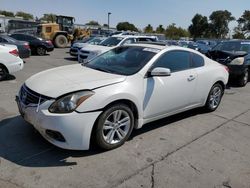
[29, 97]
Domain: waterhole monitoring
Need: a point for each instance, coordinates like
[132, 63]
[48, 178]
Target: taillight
[26, 45]
[49, 42]
[227, 69]
[14, 52]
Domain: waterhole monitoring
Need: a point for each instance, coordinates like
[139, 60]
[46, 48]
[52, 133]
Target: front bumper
[49, 48]
[236, 70]
[74, 127]
[73, 52]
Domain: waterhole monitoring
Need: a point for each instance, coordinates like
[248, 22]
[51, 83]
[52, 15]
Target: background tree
[92, 22]
[48, 17]
[25, 15]
[160, 29]
[199, 27]
[173, 32]
[126, 26]
[219, 21]
[7, 13]
[148, 29]
[243, 27]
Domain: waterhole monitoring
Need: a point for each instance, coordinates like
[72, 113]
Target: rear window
[197, 60]
[111, 41]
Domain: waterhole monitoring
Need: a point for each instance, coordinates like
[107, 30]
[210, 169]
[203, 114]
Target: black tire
[211, 105]
[106, 116]
[243, 80]
[61, 41]
[3, 73]
[41, 51]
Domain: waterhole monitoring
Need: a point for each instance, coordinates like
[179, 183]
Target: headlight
[70, 102]
[237, 61]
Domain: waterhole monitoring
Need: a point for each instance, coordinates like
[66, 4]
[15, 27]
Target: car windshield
[95, 40]
[123, 60]
[111, 41]
[233, 46]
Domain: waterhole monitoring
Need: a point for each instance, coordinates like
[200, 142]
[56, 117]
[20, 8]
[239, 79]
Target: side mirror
[159, 71]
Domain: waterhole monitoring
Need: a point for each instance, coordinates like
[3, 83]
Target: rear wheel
[243, 78]
[61, 41]
[3, 72]
[41, 51]
[114, 126]
[214, 97]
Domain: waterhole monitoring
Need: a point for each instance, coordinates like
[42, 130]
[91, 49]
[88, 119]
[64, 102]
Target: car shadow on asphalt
[9, 77]
[21, 144]
[71, 58]
[167, 121]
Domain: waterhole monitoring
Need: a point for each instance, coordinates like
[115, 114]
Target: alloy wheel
[215, 97]
[116, 127]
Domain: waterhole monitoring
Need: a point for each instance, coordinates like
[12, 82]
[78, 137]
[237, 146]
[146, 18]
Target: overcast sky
[138, 12]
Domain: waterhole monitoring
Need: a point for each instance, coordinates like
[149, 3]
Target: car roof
[160, 47]
[133, 36]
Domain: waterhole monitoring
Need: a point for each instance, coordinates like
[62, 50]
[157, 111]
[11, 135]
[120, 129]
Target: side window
[1, 40]
[29, 38]
[145, 40]
[48, 29]
[197, 60]
[15, 37]
[174, 60]
[128, 41]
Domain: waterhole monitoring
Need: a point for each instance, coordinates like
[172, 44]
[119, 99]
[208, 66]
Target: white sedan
[10, 61]
[117, 92]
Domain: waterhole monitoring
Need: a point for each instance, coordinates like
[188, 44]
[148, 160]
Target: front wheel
[114, 126]
[214, 97]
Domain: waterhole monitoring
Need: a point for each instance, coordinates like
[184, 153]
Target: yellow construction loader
[62, 32]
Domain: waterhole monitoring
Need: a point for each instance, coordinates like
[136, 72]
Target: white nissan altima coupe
[119, 91]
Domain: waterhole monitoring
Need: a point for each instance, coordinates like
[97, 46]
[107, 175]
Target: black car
[235, 54]
[37, 45]
[23, 47]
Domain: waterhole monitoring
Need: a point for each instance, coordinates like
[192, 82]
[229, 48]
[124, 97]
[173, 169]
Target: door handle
[191, 78]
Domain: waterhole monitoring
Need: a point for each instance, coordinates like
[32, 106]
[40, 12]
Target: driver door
[166, 94]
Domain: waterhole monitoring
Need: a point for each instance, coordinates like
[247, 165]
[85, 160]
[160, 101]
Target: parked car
[119, 91]
[91, 51]
[235, 54]
[78, 45]
[37, 45]
[9, 60]
[203, 48]
[23, 47]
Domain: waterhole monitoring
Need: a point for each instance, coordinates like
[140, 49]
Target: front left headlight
[68, 103]
[237, 61]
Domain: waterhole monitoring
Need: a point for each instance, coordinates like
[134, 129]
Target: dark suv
[37, 45]
[235, 54]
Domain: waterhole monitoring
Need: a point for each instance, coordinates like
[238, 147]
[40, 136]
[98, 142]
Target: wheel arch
[127, 102]
[3, 65]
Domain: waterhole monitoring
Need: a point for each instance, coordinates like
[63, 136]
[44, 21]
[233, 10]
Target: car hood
[59, 81]
[96, 48]
[80, 45]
